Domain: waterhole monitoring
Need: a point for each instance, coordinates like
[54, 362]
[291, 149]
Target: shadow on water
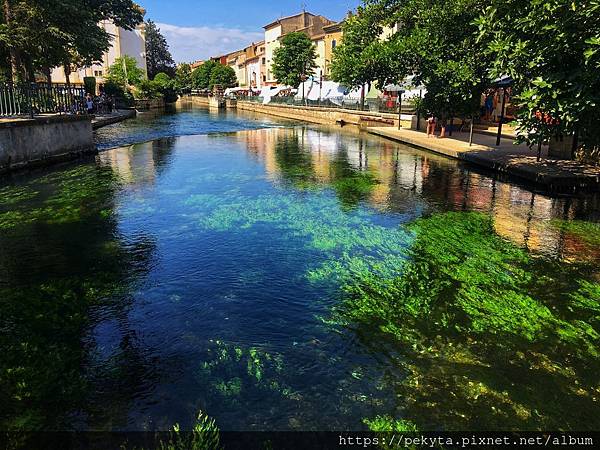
[292, 278]
[63, 261]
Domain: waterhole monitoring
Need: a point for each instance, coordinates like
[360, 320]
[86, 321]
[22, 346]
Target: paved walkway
[508, 158]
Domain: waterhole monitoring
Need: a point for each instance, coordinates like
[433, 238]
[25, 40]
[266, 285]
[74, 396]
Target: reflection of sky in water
[234, 243]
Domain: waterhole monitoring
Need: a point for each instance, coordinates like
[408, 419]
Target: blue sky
[200, 29]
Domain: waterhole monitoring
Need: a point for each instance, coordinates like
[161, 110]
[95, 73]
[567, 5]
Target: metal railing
[30, 99]
[373, 105]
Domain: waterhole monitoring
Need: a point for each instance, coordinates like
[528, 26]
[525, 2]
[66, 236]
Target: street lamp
[400, 92]
[504, 82]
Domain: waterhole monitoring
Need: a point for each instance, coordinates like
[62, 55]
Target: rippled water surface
[282, 276]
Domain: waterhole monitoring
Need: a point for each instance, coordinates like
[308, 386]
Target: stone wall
[146, 104]
[28, 142]
[328, 116]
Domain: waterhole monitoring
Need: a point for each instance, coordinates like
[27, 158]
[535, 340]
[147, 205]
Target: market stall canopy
[394, 88]
[503, 81]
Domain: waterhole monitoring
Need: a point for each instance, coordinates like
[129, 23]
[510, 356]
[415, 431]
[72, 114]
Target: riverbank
[509, 158]
[44, 140]
[555, 175]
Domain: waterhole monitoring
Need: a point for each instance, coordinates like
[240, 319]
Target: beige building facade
[332, 38]
[124, 43]
[305, 22]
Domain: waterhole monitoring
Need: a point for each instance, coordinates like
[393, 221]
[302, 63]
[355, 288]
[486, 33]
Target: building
[320, 61]
[333, 37]
[124, 43]
[305, 22]
[255, 65]
[237, 61]
[196, 64]
[221, 59]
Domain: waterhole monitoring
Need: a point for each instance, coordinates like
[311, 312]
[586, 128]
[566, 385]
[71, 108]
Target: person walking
[431, 125]
[89, 104]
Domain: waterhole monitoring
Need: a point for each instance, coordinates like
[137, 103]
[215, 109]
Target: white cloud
[189, 44]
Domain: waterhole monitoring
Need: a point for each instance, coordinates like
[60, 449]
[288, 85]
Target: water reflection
[396, 179]
[197, 273]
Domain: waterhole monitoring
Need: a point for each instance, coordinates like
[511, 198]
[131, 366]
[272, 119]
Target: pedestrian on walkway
[431, 125]
[89, 104]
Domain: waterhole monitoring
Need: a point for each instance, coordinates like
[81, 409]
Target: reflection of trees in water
[352, 186]
[294, 154]
[294, 160]
[66, 269]
[143, 162]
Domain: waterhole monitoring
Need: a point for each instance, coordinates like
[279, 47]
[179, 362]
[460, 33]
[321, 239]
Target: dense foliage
[183, 77]
[36, 35]
[158, 56]
[125, 72]
[356, 61]
[551, 48]
[223, 76]
[211, 74]
[200, 76]
[294, 60]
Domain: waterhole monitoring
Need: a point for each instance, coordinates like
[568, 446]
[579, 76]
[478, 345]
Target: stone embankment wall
[328, 116]
[39, 141]
[320, 115]
[146, 104]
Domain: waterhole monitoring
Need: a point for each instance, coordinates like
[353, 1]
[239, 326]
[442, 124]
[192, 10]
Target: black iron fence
[374, 105]
[30, 99]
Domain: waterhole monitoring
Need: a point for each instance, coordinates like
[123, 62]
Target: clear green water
[292, 277]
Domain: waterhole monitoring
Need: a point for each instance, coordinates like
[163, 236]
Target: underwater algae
[485, 347]
[59, 197]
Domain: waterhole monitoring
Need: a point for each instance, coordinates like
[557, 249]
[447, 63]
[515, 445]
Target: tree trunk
[362, 97]
[15, 56]
[48, 73]
[29, 71]
[67, 69]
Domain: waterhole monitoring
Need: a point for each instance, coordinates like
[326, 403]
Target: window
[264, 61]
[97, 73]
[333, 44]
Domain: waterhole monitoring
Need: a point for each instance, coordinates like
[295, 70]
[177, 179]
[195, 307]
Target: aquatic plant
[231, 371]
[470, 315]
[588, 232]
[204, 435]
[62, 196]
[386, 424]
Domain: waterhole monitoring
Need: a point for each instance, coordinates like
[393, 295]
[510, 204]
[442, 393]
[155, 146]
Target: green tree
[222, 76]
[183, 77]
[158, 56]
[125, 72]
[356, 60]
[166, 86]
[430, 45]
[201, 75]
[551, 48]
[41, 34]
[295, 59]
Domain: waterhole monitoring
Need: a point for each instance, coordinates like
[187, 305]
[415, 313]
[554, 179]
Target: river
[283, 276]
